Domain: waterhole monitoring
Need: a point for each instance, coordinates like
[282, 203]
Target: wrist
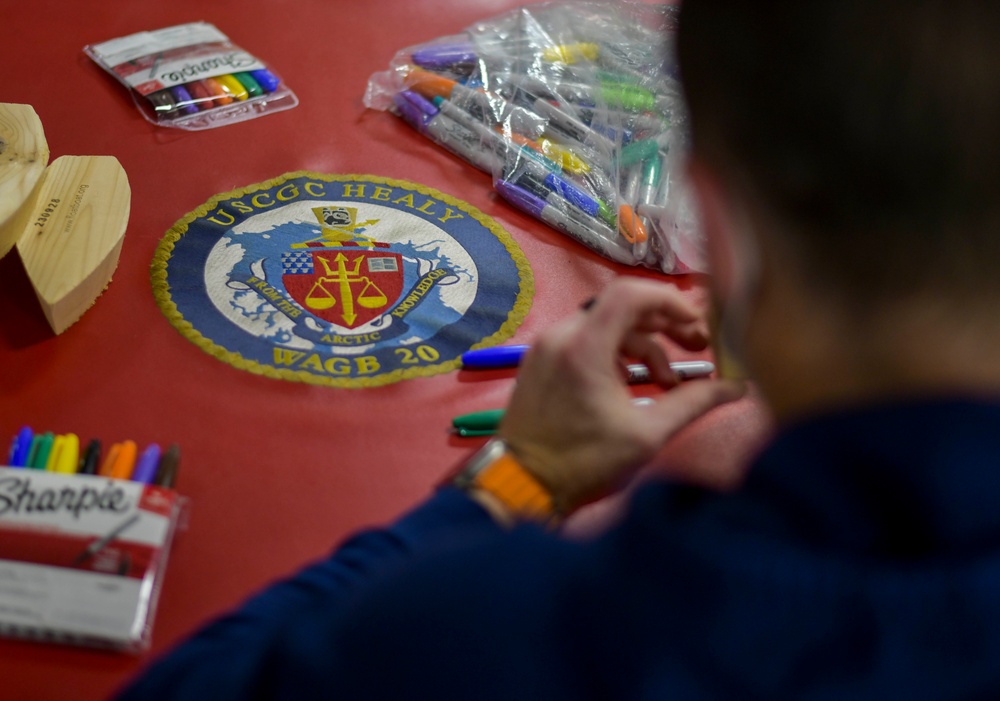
[496, 479]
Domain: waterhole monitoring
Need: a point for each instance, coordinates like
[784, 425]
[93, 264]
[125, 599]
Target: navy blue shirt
[860, 559]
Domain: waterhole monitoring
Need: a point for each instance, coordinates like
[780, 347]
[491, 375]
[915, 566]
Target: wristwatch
[495, 470]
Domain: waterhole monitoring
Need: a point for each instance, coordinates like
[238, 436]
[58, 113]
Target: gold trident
[324, 299]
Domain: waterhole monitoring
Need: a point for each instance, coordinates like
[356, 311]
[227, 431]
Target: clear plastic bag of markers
[192, 77]
[575, 110]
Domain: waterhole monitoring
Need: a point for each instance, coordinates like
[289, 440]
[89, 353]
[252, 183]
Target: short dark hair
[868, 129]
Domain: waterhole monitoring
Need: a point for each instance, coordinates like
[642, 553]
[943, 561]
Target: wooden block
[23, 157]
[73, 234]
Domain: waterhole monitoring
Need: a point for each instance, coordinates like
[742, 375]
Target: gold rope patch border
[161, 289]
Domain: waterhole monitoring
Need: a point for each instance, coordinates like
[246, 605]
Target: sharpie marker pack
[574, 110]
[192, 77]
[82, 557]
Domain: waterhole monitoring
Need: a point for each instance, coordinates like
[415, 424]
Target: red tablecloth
[277, 472]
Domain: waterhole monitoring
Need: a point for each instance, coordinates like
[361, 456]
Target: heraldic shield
[346, 285]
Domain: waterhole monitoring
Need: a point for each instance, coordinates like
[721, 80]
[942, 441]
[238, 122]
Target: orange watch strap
[494, 470]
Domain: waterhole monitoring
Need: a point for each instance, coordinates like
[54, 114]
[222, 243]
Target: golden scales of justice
[338, 227]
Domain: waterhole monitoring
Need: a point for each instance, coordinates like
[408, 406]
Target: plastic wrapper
[192, 77]
[83, 557]
[575, 111]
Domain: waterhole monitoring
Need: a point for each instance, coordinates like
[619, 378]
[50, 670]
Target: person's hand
[571, 421]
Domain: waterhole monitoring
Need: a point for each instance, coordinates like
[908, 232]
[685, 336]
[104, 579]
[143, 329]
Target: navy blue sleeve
[239, 655]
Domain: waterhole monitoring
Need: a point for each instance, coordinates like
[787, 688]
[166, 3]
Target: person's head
[857, 139]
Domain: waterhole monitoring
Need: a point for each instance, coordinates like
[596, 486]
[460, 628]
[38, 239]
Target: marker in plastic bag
[219, 95]
[438, 56]
[571, 53]
[185, 103]
[267, 80]
[559, 219]
[163, 102]
[201, 94]
[232, 86]
[573, 126]
[638, 152]
[565, 157]
[631, 227]
[253, 88]
[449, 134]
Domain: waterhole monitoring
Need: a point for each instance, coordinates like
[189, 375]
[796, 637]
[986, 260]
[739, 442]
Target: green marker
[478, 421]
[40, 451]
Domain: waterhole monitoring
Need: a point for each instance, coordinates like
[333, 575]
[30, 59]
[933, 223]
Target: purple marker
[185, 102]
[584, 229]
[412, 115]
[440, 56]
[145, 468]
[425, 117]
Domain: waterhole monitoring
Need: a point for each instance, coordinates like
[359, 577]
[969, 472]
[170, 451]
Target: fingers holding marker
[633, 305]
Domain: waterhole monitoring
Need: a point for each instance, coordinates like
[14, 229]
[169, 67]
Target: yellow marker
[570, 162]
[124, 461]
[57, 447]
[232, 87]
[571, 53]
[68, 458]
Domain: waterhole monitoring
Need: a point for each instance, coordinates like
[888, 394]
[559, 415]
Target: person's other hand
[571, 421]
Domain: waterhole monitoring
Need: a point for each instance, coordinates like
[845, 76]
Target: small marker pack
[82, 557]
[192, 77]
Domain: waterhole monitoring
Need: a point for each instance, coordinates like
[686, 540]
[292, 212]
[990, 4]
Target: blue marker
[266, 79]
[20, 447]
[510, 356]
[495, 357]
[573, 194]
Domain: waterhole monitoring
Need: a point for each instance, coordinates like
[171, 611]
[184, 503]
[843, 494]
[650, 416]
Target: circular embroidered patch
[341, 280]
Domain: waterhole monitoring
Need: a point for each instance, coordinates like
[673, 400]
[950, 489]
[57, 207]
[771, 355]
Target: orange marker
[428, 84]
[630, 225]
[109, 460]
[124, 461]
[222, 98]
[201, 94]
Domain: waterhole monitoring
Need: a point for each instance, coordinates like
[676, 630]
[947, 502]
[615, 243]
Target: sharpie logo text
[17, 496]
[192, 71]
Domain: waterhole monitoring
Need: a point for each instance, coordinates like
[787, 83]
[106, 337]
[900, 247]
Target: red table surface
[277, 472]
